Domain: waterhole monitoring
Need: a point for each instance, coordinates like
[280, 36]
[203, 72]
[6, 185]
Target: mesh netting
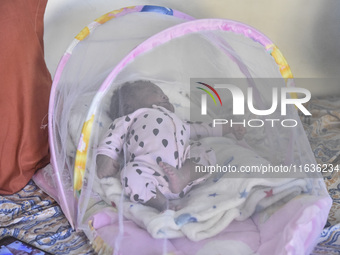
[134, 152]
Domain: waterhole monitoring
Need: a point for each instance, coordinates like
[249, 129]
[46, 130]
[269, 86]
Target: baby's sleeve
[114, 139]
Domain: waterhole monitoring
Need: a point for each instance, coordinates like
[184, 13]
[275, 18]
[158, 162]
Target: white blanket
[211, 206]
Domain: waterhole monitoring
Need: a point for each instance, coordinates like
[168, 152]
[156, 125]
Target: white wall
[306, 31]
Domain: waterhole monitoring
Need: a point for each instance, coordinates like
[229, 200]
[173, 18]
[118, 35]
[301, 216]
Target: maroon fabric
[24, 93]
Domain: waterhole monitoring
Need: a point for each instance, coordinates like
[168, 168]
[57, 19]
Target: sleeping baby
[157, 148]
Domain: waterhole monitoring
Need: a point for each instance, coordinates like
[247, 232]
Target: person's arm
[239, 131]
[109, 149]
[199, 130]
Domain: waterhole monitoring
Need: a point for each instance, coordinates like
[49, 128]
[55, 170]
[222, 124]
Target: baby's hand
[106, 167]
[239, 131]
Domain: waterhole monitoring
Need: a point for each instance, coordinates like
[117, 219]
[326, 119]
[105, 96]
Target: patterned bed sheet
[34, 217]
[323, 131]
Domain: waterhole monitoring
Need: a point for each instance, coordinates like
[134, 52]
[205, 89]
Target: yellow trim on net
[81, 156]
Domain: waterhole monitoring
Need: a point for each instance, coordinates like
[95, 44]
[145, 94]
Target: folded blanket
[211, 206]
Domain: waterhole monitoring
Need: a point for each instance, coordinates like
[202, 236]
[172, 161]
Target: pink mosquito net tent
[280, 210]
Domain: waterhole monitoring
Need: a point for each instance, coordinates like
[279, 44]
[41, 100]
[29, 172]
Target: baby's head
[132, 96]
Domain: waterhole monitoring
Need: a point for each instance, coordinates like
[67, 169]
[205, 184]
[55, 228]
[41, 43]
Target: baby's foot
[177, 180]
